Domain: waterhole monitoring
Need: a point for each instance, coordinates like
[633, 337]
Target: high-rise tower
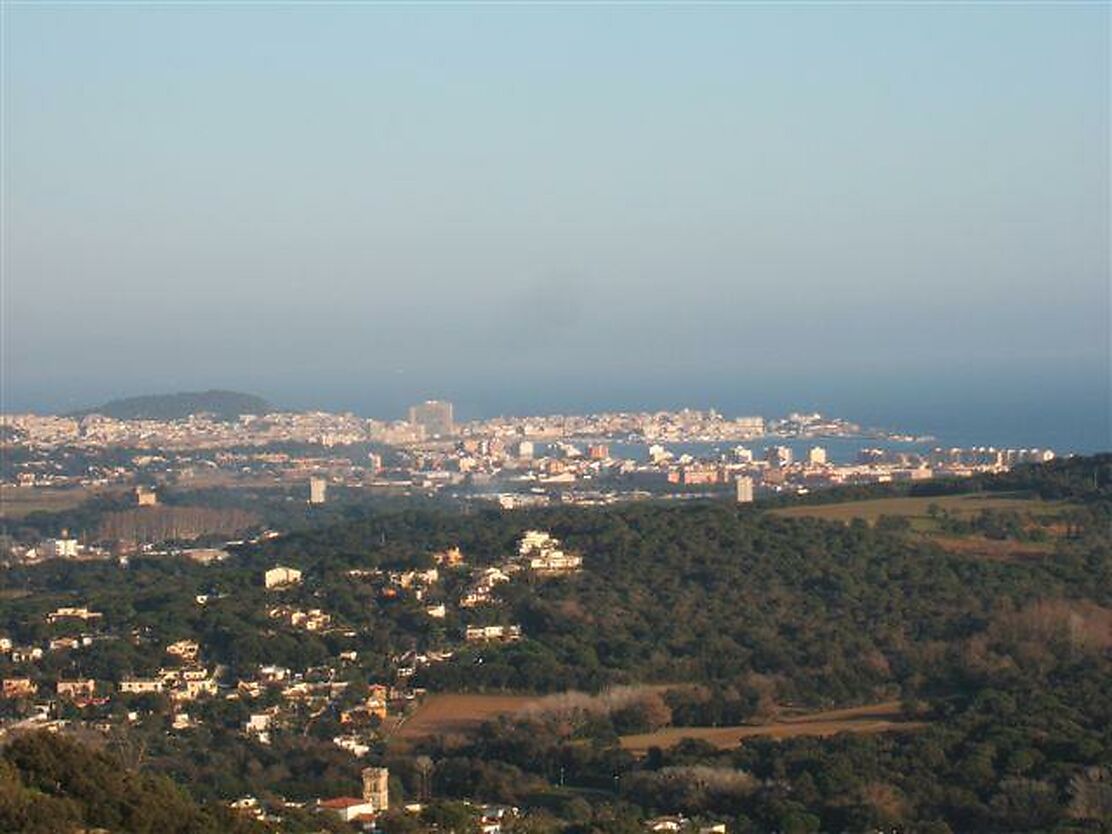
[744, 490]
[435, 416]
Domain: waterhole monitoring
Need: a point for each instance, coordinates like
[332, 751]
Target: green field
[1037, 512]
[16, 502]
[917, 509]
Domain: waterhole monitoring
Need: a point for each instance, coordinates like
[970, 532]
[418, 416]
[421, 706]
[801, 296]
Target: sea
[1066, 407]
[1063, 406]
[1066, 415]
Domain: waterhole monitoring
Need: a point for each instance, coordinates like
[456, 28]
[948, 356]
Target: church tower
[376, 787]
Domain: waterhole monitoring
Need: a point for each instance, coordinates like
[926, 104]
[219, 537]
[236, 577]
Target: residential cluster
[362, 810]
[275, 698]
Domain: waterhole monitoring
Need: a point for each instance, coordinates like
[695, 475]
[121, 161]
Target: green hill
[227, 405]
[50, 785]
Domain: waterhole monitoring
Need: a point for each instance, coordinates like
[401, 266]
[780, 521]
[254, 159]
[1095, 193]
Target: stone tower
[376, 787]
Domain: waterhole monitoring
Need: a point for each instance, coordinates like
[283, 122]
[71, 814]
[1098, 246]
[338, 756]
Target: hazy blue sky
[518, 206]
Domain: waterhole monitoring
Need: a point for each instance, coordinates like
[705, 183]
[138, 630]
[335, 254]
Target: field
[460, 714]
[1003, 550]
[454, 714]
[16, 502]
[876, 718]
[916, 509]
[1043, 514]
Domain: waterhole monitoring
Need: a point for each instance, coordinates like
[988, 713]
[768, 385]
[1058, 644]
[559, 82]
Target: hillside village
[276, 699]
[597, 668]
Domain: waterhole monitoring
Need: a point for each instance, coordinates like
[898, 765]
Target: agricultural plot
[917, 509]
[956, 523]
[875, 718]
[995, 549]
[455, 714]
[17, 502]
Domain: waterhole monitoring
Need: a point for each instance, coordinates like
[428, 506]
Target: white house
[280, 577]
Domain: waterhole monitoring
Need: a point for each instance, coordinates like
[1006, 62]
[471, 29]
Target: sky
[561, 207]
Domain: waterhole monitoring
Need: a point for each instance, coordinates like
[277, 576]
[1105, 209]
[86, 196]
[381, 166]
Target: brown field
[450, 714]
[1002, 550]
[875, 718]
[916, 508]
[16, 502]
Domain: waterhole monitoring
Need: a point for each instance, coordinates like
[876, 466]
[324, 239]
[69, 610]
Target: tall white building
[745, 490]
[65, 548]
[318, 488]
[743, 455]
[817, 456]
[434, 416]
[779, 456]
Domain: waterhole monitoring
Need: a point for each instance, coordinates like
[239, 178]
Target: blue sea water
[1060, 405]
[1068, 410]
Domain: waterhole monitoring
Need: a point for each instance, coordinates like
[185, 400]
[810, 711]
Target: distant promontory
[226, 405]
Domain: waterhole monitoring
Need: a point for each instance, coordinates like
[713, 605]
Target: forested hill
[836, 613]
[984, 618]
[224, 404]
[53, 785]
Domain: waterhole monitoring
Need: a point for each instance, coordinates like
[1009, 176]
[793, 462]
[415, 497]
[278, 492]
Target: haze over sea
[1066, 409]
[894, 213]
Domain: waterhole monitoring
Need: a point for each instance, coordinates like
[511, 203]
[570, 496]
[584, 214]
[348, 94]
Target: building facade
[376, 787]
[434, 416]
[744, 490]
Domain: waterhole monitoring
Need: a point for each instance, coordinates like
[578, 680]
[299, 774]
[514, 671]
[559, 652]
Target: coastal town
[597, 458]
